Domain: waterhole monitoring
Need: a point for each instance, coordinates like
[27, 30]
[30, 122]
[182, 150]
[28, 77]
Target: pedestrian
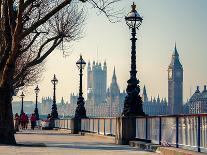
[23, 120]
[48, 117]
[33, 121]
[17, 122]
[27, 121]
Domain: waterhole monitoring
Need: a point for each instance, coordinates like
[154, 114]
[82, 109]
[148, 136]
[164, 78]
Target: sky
[164, 23]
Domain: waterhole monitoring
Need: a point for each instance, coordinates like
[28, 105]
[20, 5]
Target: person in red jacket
[23, 120]
[33, 121]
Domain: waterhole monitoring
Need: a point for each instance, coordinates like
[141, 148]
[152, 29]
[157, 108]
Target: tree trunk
[6, 117]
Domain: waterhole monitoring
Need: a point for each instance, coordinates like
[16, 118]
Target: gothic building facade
[197, 103]
[175, 85]
[46, 106]
[101, 102]
[96, 82]
[154, 106]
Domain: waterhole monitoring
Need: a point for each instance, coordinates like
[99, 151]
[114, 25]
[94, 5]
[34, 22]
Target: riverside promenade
[61, 142]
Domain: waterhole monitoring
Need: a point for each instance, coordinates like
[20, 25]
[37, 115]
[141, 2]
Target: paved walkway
[63, 143]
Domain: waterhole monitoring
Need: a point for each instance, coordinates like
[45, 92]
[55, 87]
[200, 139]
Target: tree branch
[45, 18]
[44, 56]
[31, 42]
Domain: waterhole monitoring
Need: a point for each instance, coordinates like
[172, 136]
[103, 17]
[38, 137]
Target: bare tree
[30, 30]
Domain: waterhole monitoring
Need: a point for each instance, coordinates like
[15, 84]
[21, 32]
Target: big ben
[175, 85]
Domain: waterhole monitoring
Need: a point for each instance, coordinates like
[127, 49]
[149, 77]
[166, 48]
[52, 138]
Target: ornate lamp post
[36, 108]
[80, 110]
[22, 108]
[54, 113]
[133, 102]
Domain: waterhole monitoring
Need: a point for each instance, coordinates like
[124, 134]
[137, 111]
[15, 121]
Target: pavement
[61, 142]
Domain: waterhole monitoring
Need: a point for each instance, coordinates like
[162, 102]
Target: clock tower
[175, 85]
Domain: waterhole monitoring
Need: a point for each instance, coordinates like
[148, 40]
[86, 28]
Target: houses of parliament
[108, 102]
[103, 102]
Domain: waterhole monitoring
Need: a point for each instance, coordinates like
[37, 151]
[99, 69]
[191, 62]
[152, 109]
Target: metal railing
[63, 124]
[104, 126]
[184, 131]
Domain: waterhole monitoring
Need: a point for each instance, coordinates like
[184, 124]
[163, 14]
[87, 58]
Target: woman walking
[23, 120]
[33, 121]
[17, 122]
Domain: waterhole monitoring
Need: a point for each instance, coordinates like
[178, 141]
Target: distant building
[175, 85]
[154, 106]
[101, 102]
[46, 105]
[97, 82]
[197, 103]
[28, 107]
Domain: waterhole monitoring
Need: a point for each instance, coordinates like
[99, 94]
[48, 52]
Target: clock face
[170, 73]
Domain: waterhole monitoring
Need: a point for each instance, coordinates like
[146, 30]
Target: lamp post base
[80, 111]
[133, 101]
[36, 114]
[54, 113]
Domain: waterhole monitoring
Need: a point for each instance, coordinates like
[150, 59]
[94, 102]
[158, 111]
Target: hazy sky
[165, 21]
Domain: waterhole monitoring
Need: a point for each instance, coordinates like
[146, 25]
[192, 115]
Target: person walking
[27, 121]
[17, 122]
[23, 121]
[33, 121]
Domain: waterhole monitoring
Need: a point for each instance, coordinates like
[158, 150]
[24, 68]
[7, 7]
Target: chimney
[197, 91]
[204, 88]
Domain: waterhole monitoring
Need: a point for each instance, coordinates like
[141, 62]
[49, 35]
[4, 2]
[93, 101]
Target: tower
[114, 88]
[96, 82]
[175, 84]
[89, 81]
[144, 95]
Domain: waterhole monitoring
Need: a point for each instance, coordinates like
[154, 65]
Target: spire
[197, 90]
[105, 63]
[114, 75]
[144, 97]
[89, 66]
[104, 66]
[204, 90]
[114, 88]
[158, 98]
[175, 62]
[62, 101]
[144, 90]
[175, 52]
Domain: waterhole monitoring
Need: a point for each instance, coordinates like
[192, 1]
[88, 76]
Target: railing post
[98, 126]
[199, 133]
[160, 130]
[146, 128]
[111, 126]
[89, 125]
[93, 125]
[104, 127]
[177, 131]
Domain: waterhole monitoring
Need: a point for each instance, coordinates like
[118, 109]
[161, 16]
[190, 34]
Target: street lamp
[22, 109]
[80, 110]
[133, 101]
[54, 113]
[36, 108]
